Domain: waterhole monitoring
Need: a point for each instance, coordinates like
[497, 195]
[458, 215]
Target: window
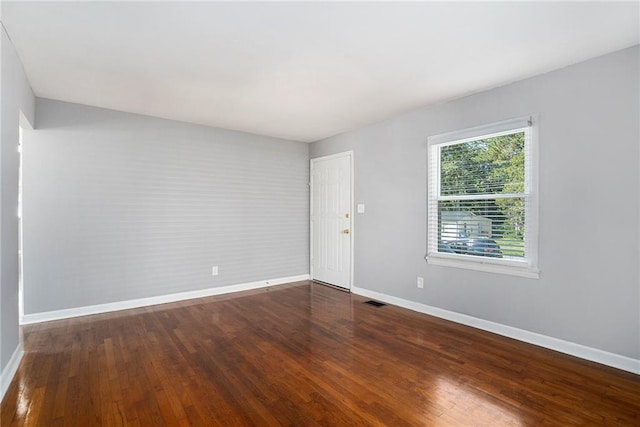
[482, 211]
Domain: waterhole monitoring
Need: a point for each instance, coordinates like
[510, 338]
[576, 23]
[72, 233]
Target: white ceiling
[302, 71]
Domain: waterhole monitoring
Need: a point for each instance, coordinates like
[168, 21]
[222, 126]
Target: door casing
[348, 154]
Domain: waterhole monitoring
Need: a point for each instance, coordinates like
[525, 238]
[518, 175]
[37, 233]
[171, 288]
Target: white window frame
[527, 267]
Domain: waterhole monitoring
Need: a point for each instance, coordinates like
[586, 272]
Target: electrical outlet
[420, 282]
[214, 270]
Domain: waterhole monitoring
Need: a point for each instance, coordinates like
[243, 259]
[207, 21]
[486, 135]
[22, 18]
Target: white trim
[352, 218]
[351, 210]
[332, 156]
[488, 130]
[497, 266]
[528, 267]
[532, 218]
[10, 370]
[161, 299]
[578, 350]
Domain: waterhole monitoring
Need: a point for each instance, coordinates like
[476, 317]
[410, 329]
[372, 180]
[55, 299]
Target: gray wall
[16, 96]
[588, 290]
[119, 206]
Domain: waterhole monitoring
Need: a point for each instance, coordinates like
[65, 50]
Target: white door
[331, 219]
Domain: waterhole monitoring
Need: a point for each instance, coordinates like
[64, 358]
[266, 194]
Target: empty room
[320, 213]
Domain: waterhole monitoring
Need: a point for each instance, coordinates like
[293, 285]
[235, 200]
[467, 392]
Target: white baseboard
[162, 299]
[10, 370]
[593, 354]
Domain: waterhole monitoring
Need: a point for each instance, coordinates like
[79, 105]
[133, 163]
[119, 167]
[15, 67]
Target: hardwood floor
[301, 354]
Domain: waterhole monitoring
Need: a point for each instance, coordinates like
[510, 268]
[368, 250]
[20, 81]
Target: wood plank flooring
[301, 354]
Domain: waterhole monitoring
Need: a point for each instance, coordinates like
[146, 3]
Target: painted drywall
[119, 207]
[588, 290]
[16, 96]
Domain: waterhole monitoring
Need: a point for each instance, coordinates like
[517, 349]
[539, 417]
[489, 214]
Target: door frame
[348, 154]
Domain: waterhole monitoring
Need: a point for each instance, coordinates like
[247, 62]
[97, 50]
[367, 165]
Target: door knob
[345, 231]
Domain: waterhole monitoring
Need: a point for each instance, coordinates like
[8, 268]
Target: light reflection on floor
[464, 405]
[22, 407]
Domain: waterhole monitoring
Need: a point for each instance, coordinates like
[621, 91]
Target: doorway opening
[23, 125]
[20, 251]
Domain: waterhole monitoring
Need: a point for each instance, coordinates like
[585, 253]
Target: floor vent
[375, 303]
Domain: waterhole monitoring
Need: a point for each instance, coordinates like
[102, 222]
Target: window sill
[513, 269]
